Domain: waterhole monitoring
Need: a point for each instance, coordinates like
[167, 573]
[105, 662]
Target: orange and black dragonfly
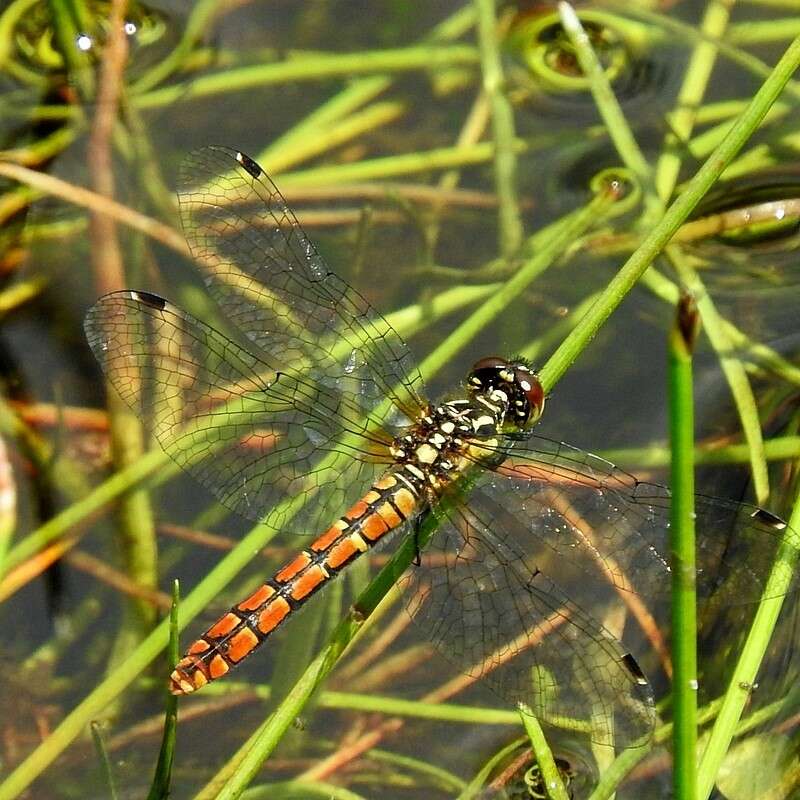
[304, 391]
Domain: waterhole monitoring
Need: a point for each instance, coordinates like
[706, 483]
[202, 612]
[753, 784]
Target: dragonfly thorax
[440, 445]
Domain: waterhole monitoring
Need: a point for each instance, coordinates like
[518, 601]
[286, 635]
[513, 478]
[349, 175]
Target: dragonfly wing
[249, 433]
[598, 517]
[273, 285]
[497, 616]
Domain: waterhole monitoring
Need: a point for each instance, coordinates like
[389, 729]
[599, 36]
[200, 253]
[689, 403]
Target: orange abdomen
[386, 506]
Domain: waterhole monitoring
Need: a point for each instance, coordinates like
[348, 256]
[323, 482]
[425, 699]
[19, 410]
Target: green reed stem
[337, 133]
[477, 784]
[302, 790]
[68, 22]
[358, 92]
[159, 788]
[312, 68]
[154, 461]
[444, 780]
[614, 118]
[555, 333]
[377, 703]
[505, 156]
[562, 234]
[758, 639]
[682, 551]
[674, 217]
[763, 31]
[9, 20]
[688, 32]
[628, 759]
[102, 752]
[762, 356]
[780, 448]
[733, 369]
[21, 293]
[551, 778]
[45, 147]
[405, 164]
[702, 144]
[754, 352]
[202, 16]
[690, 97]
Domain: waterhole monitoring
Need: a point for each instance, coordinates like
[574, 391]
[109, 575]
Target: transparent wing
[492, 611]
[252, 434]
[602, 520]
[272, 285]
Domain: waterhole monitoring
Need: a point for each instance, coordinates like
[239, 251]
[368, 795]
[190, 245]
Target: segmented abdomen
[389, 503]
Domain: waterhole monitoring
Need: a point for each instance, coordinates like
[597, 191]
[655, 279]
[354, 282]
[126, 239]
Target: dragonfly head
[512, 383]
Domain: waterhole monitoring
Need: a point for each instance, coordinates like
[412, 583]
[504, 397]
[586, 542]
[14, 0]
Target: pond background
[379, 237]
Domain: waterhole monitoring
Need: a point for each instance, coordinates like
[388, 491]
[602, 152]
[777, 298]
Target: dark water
[387, 242]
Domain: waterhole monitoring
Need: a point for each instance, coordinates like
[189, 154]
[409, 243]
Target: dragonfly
[302, 402]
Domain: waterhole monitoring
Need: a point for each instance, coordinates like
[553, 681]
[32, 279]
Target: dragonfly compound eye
[528, 384]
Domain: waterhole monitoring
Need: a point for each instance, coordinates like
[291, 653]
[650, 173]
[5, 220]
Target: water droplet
[84, 42]
[693, 684]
